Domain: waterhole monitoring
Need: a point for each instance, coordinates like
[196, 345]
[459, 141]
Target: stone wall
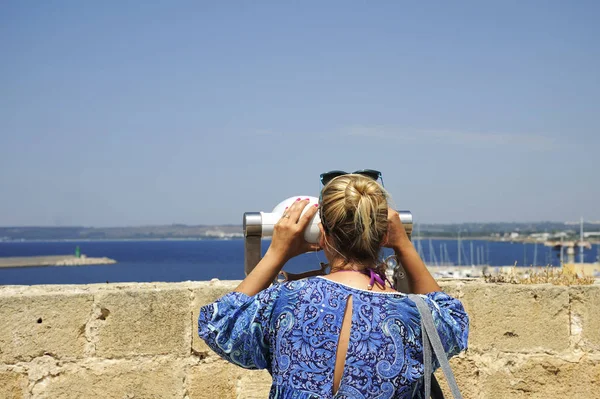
[139, 341]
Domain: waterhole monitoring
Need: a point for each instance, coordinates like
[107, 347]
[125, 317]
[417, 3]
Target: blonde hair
[354, 211]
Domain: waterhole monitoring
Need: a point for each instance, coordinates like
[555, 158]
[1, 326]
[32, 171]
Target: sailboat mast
[581, 241]
[446, 254]
[419, 245]
[459, 247]
[472, 252]
[561, 250]
[430, 253]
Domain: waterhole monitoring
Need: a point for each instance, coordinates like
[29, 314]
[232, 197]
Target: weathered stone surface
[514, 332]
[542, 378]
[466, 374]
[203, 296]
[517, 318]
[255, 384]
[452, 288]
[217, 379]
[143, 322]
[42, 367]
[115, 379]
[12, 385]
[585, 316]
[33, 325]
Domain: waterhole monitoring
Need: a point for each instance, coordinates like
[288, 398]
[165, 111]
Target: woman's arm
[419, 279]
[288, 241]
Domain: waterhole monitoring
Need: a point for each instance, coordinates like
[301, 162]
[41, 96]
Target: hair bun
[364, 186]
[354, 214]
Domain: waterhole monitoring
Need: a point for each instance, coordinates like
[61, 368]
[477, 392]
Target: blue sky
[136, 113]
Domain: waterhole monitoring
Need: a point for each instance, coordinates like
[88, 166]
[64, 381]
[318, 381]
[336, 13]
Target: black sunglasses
[370, 173]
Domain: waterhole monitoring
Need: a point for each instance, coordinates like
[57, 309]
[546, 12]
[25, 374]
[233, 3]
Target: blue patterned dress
[292, 330]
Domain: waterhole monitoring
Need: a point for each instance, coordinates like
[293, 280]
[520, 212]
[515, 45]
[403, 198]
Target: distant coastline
[506, 231]
[122, 239]
[77, 240]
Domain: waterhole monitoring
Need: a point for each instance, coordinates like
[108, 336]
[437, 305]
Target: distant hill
[120, 233]
[181, 231]
[501, 228]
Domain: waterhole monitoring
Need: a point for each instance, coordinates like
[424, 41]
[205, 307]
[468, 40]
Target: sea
[197, 260]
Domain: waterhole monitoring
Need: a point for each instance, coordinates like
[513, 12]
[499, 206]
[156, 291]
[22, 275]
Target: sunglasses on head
[370, 173]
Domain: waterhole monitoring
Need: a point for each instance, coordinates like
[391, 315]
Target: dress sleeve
[236, 326]
[451, 321]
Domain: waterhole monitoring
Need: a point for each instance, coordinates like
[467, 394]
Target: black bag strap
[431, 339]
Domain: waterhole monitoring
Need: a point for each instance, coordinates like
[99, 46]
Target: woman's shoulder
[301, 284]
[298, 287]
[320, 288]
[310, 289]
[324, 284]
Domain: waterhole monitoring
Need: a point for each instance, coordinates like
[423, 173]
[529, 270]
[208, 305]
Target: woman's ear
[321, 236]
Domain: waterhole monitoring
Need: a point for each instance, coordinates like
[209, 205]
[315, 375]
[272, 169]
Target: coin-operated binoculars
[257, 225]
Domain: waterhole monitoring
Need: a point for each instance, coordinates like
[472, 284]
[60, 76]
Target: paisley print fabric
[292, 330]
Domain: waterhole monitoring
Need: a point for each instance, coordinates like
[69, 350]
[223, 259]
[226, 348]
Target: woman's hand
[288, 234]
[420, 280]
[396, 235]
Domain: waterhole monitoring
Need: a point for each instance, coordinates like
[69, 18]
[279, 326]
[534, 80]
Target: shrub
[564, 275]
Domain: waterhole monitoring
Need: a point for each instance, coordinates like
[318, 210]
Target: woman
[344, 335]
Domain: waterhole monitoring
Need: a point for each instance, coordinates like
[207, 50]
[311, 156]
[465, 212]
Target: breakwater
[53, 260]
[139, 340]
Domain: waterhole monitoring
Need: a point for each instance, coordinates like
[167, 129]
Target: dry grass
[565, 275]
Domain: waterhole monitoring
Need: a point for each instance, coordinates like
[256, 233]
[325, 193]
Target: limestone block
[143, 322]
[218, 379]
[452, 288]
[542, 378]
[585, 316]
[32, 325]
[12, 385]
[254, 384]
[466, 374]
[517, 318]
[115, 379]
[203, 296]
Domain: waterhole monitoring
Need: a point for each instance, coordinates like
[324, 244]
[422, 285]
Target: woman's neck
[340, 266]
[362, 277]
